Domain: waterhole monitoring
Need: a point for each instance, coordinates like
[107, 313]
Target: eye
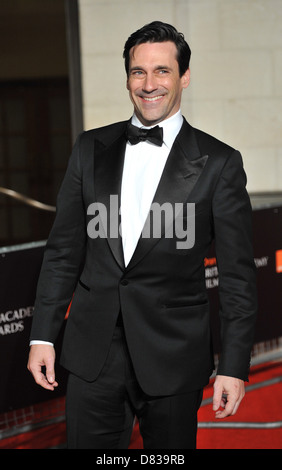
[137, 73]
[162, 71]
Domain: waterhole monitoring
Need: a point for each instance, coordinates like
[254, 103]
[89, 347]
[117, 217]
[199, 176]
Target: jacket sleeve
[232, 215]
[63, 257]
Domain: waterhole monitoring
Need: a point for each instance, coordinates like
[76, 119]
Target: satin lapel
[108, 169]
[183, 168]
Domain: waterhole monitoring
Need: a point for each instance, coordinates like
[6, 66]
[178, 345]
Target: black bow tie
[136, 134]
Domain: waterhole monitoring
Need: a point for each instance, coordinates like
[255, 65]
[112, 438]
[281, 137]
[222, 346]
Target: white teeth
[152, 99]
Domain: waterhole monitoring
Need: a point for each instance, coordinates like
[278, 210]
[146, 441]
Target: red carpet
[262, 405]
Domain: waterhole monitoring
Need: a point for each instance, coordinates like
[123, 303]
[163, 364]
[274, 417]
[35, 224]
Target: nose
[150, 83]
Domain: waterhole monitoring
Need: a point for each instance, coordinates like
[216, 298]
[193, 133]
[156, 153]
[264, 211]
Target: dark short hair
[159, 32]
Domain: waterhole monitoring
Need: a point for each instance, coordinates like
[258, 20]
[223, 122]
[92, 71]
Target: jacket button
[124, 282]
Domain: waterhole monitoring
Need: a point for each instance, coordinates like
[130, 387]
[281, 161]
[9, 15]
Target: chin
[150, 120]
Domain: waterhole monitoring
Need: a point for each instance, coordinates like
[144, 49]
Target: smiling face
[154, 83]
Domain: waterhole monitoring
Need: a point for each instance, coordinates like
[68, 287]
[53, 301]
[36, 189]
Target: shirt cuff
[40, 342]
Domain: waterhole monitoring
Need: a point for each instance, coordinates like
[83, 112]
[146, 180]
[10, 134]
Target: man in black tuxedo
[137, 340]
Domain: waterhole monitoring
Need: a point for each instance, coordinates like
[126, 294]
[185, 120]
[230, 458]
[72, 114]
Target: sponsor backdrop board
[267, 231]
[19, 270]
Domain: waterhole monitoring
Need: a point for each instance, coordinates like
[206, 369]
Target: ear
[186, 79]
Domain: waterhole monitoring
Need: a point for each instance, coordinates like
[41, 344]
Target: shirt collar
[171, 127]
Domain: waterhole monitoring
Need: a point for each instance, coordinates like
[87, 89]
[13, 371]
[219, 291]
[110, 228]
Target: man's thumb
[50, 372]
[216, 398]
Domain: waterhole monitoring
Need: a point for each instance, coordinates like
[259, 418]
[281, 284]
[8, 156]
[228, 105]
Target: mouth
[152, 99]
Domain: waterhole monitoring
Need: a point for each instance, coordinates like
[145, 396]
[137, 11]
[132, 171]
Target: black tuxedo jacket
[161, 293]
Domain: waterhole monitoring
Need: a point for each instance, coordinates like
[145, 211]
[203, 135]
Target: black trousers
[100, 414]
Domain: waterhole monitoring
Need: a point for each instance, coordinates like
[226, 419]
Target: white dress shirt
[143, 167]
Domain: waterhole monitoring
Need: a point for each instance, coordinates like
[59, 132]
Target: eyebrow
[159, 67]
[135, 68]
[163, 67]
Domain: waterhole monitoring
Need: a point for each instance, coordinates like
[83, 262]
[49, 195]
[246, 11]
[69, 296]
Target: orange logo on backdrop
[279, 261]
[209, 262]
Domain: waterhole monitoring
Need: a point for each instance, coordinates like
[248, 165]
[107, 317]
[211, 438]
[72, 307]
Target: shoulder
[105, 134]
[94, 141]
[220, 154]
[209, 144]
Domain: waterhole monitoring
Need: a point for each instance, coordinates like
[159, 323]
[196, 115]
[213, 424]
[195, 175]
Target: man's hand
[42, 355]
[228, 394]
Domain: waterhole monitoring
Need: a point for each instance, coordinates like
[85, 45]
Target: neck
[137, 122]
